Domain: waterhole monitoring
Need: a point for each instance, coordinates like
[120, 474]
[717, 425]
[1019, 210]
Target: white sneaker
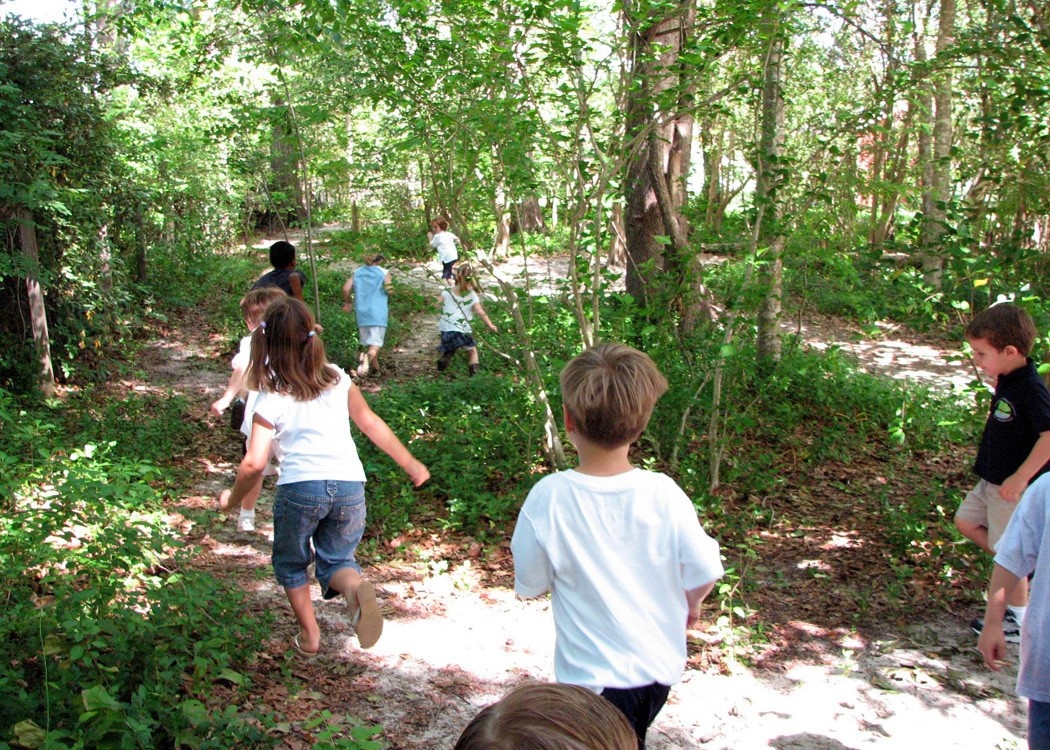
[246, 522]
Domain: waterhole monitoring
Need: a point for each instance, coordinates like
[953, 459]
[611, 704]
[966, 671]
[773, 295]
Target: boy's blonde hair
[543, 716]
[609, 392]
[287, 354]
[255, 302]
[1004, 325]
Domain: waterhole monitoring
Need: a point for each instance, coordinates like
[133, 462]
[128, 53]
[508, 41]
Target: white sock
[248, 513]
[1017, 612]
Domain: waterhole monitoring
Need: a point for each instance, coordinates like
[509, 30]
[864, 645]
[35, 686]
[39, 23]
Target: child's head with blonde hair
[548, 716]
[609, 392]
[287, 354]
[255, 302]
[463, 278]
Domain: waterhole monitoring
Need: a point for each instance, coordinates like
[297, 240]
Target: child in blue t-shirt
[370, 287]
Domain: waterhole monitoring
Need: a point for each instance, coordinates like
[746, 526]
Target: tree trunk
[284, 168]
[35, 298]
[501, 212]
[660, 126]
[529, 217]
[617, 257]
[938, 188]
[770, 179]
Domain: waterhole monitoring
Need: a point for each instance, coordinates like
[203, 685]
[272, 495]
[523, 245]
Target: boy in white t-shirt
[447, 246]
[620, 548]
[253, 305]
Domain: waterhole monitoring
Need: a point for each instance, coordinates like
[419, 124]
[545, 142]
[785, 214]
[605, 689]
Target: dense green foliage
[106, 640]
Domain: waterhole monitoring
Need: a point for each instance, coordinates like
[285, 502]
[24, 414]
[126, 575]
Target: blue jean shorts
[319, 521]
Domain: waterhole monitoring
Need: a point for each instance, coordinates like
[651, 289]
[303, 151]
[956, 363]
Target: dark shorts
[446, 269]
[453, 340]
[640, 705]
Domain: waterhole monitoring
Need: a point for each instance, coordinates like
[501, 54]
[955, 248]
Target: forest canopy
[900, 144]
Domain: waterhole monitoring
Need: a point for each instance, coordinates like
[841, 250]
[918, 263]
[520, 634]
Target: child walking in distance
[1015, 446]
[370, 286]
[446, 245]
[459, 305]
[253, 305]
[545, 716]
[304, 410]
[284, 274]
[620, 548]
[1024, 549]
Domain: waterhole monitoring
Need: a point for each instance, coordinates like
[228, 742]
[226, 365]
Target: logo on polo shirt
[1003, 411]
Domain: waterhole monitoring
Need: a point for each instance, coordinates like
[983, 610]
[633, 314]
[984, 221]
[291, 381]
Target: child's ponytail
[288, 355]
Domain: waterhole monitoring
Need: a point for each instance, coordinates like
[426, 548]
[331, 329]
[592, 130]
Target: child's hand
[219, 407]
[1012, 489]
[418, 473]
[347, 307]
[992, 645]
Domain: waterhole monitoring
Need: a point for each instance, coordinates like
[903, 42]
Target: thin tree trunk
[552, 447]
[35, 298]
[769, 234]
[617, 257]
[935, 213]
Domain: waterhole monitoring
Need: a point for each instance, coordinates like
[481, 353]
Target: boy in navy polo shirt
[1015, 446]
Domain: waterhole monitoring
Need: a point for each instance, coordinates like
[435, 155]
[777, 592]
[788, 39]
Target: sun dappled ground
[836, 665]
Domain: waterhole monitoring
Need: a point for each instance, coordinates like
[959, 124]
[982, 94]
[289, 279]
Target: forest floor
[457, 638]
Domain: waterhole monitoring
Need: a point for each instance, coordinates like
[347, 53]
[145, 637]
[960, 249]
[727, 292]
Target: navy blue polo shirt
[1020, 413]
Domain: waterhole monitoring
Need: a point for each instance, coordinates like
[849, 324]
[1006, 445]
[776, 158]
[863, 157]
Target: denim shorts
[328, 513]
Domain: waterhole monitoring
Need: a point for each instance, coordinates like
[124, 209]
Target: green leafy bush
[105, 642]
[480, 438]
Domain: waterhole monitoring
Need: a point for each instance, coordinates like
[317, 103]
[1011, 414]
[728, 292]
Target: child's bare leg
[250, 499]
[975, 533]
[303, 607]
[361, 601]
[472, 355]
[373, 357]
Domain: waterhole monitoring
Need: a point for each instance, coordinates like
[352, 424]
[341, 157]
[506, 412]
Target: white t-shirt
[618, 554]
[1023, 549]
[445, 244]
[242, 359]
[457, 311]
[312, 439]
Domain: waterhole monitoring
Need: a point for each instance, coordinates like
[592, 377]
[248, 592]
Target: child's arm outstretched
[480, 312]
[379, 432]
[233, 388]
[254, 461]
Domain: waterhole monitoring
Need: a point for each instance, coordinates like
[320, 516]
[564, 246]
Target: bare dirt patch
[457, 638]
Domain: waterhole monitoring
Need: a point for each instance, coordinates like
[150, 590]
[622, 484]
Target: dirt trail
[457, 638]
